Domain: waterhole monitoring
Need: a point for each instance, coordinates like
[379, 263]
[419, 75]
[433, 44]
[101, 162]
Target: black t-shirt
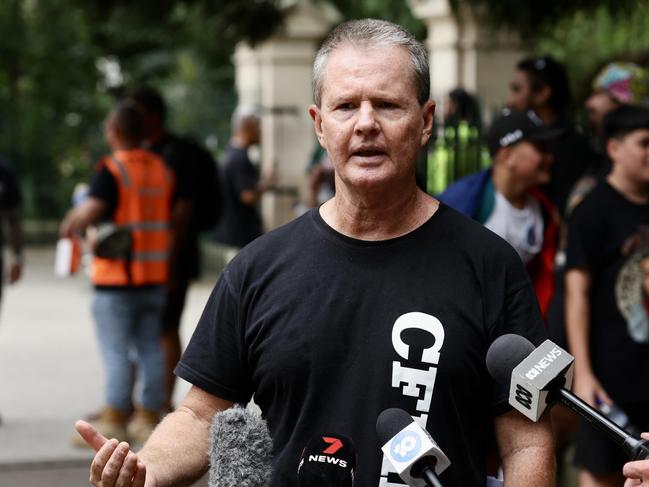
[10, 197]
[184, 158]
[609, 236]
[240, 223]
[327, 331]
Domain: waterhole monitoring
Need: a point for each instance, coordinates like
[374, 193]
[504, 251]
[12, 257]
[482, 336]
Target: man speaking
[382, 297]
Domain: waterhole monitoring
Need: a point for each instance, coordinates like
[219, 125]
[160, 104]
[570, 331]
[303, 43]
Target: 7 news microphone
[328, 460]
[240, 449]
[539, 377]
[410, 449]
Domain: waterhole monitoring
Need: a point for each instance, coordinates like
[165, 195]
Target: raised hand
[114, 465]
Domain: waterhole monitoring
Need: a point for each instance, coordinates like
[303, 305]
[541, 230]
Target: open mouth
[369, 153]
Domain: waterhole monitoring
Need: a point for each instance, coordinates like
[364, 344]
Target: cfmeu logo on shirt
[405, 446]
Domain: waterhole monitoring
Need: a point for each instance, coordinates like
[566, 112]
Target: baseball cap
[513, 126]
[626, 82]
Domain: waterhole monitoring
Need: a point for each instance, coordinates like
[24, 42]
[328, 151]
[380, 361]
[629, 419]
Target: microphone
[240, 449]
[410, 449]
[328, 460]
[539, 377]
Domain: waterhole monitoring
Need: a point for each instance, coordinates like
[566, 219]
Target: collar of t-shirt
[522, 228]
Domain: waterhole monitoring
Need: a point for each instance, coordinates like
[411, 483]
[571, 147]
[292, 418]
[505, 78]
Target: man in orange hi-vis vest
[130, 204]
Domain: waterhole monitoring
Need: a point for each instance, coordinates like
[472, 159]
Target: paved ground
[50, 373]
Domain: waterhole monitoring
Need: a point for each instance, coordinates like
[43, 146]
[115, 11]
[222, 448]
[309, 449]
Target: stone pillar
[276, 76]
[465, 51]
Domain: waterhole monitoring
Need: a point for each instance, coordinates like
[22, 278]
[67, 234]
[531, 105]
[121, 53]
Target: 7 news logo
[334, 445]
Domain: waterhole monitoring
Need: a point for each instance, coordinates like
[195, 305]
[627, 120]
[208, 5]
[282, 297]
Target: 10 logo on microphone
[405, 446]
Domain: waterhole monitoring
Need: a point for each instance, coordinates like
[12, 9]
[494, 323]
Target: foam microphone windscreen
[504, 354]
[240, 449]
[390, 422]
[328, 460]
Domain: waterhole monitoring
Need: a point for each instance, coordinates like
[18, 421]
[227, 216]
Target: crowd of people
[381, 295]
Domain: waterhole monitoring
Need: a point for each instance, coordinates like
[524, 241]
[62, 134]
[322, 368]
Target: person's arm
[526, 450]
[175, 455]
[252, 195]
[14, 220]
[578, 284]
[637, 473]
[83, 215]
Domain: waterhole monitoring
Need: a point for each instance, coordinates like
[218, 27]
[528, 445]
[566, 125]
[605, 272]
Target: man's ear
[613, 147]
[314, 113]
[429, 117]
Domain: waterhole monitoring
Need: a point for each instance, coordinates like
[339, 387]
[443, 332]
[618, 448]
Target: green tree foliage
[62, 62]
[586, 40]
[531, 19]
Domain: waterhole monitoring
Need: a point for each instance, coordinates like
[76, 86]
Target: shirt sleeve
[215, 358]
[104, 187]
[11, 196]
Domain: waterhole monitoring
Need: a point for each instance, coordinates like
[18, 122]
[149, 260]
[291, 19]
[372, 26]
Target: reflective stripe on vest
[144, 186]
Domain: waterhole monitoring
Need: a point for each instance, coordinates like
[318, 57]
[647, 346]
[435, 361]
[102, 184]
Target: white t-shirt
[522, 228]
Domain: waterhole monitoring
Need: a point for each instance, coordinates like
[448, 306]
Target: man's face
[630, 155]
[597, 106]
[520, 92]
[530, 163]
[370, 121]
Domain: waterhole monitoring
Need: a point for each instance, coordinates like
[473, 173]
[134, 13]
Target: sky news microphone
[240, 449]
[539, 377]
[410, 449]
[328, 460]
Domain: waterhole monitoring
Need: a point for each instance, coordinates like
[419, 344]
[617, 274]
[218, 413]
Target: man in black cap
[505, 197]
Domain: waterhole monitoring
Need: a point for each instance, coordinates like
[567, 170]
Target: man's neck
[635, 192]
[547, 115]
[378, 216]
[154, 137]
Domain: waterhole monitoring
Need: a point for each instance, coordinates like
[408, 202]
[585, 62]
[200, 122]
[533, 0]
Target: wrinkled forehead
[377, 62]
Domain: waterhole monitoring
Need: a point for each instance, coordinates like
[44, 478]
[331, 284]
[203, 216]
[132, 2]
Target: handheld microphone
[539, 377]
[240, 449]
[410, 449]
[328, 460]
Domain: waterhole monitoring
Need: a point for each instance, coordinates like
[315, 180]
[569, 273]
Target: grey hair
[373, 32]
[244, 114]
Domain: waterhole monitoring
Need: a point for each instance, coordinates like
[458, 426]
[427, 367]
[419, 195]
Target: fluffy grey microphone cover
[240, 449]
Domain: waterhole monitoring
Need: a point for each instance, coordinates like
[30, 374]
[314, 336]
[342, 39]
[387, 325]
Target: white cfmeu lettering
[411, 380]
[543, 363]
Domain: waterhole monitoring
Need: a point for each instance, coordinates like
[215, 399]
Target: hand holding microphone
[539, 377]
[637, 473]
[410, 449]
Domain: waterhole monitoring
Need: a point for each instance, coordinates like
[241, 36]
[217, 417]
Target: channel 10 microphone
[328, 460]
[240, 449]
[541, 377]
[410, 449]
